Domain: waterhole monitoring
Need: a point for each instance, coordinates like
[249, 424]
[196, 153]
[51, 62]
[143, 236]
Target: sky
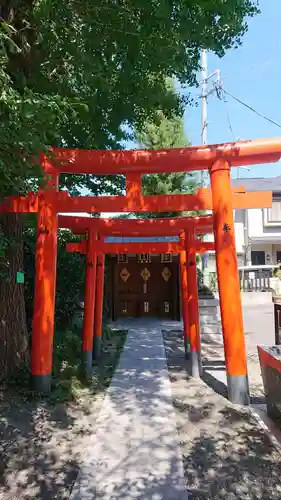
[252, 73]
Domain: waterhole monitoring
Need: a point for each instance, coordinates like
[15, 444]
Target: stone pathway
[135, 452]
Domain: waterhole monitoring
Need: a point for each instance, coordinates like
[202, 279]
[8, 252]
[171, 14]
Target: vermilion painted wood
[99, 296]
[202, 200]
[109, 226]
[29, 203]
[45, 286]
[193, 301]
[160, 203]
[227, 271]
[166, 160]
[90, 290]
[184, 299]
[152, 248]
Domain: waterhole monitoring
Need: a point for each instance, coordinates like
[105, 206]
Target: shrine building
[143, 285]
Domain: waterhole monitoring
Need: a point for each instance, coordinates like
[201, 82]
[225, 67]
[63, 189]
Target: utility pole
[204, 121]
[204, 104]
[204, 95]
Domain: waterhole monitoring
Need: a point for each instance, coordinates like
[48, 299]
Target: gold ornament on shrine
[166, 273]
[124, 274]
[145, 274]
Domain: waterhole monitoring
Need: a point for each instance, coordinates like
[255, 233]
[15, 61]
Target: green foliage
[276, 273]
[162, 133]
[67, 383]
[75, 72]
[70, 278]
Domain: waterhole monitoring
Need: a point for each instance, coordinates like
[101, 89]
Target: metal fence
[255, 281]
[252, 279]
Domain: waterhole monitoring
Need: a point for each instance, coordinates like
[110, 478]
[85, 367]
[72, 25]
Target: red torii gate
[185, 227]
[218, 159]
[95, 251]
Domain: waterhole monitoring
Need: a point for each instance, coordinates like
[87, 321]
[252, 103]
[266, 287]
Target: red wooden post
[228, 281]
[184, 301]
[193, 306]
[44, 292]
[99, 305]
[89, 305]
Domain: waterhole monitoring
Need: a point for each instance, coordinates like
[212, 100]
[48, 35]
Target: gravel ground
[41, 445]
[226, 454]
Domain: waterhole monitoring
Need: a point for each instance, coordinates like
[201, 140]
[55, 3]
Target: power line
[222, 97]
[249, 107]
[229, 119]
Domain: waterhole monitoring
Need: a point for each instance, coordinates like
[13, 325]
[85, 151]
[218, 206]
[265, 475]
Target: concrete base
[238, 389]
[41, 383]
[187, 348]
[97, 348]
[87, 364]
[194, 364]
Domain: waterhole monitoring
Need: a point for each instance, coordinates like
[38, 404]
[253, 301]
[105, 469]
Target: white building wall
[255, 221]
[261, 238]
[258, 231]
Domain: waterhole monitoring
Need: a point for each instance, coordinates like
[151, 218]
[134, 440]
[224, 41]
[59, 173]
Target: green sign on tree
[20, 277]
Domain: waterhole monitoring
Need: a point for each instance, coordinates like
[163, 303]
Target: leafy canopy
[163, 133]
[75, 72]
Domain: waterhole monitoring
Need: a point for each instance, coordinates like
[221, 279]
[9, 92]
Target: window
[258, 258]
[167, 307]
[274, 213]
[122, 258]
[146, 307]
[166, 258]
[144, 258]
[272, 216]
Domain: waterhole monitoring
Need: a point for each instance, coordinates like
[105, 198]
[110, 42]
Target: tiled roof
[259, 183]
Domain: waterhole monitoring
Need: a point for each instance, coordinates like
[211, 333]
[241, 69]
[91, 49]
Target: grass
[68, 383]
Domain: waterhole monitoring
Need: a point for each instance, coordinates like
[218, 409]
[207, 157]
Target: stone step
[209, 319]
[208, 314]
[212, 339]
[216, 329]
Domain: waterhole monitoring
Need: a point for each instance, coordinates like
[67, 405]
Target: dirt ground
[226, 454]
[41, 445]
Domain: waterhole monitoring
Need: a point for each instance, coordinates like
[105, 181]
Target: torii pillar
[99, 305]
[193, 306]
[89, 305]
[45, 288]
[184, 300]
[228, 281]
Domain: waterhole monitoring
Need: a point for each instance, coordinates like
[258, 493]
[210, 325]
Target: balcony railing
[252, 279]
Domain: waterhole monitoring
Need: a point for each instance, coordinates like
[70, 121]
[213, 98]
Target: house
[257, 231]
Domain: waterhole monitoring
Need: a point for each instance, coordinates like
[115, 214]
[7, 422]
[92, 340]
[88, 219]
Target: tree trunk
[13, 328]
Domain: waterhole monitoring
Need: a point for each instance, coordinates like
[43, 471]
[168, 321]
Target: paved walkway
[135, 453]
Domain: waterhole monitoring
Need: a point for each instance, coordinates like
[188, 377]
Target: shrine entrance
[220, 198]
[145, 286]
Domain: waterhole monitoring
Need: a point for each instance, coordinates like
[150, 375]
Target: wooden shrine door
[146, 287]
